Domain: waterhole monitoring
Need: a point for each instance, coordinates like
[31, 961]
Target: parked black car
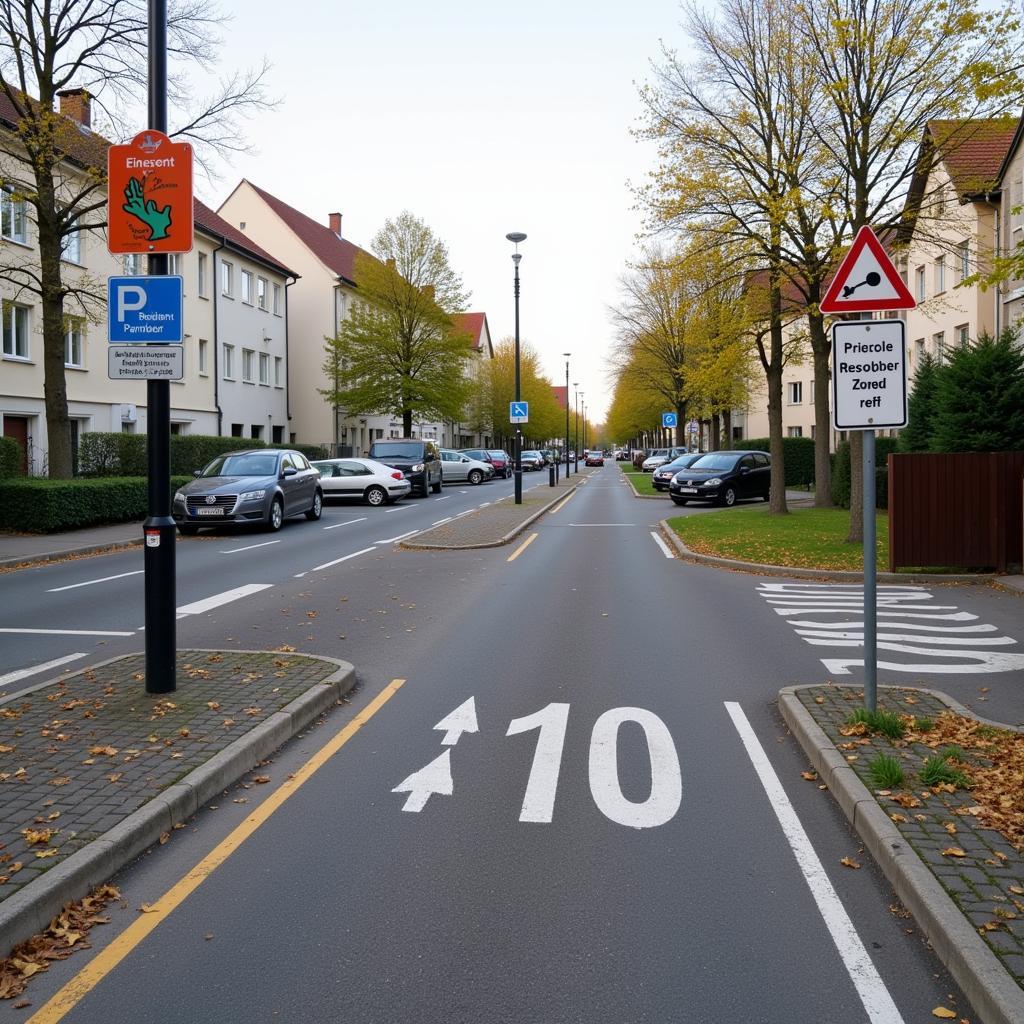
[724, 477]
[661, 478]
[264, 485]
[418, 458]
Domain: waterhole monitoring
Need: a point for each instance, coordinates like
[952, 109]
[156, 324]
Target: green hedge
[797, 454]
[10, 458]
[841, 472]
[115, 454]
[39, 505]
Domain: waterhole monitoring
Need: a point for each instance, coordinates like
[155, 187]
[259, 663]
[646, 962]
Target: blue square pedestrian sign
[519, 412]
[145, 310]
[669, 419]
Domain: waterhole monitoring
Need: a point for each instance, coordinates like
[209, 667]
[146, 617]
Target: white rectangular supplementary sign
[145, 362]
[869, 374]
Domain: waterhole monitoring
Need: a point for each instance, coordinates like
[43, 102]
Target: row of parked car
[268, 485]
[724, 477]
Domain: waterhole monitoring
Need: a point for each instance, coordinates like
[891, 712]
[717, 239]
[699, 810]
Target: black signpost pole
[161, 639]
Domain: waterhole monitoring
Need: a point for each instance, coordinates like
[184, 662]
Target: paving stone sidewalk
[84, 754]
[976, 868]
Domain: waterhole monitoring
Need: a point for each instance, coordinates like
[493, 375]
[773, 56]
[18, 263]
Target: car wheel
[680, 501]
[275, 519]
[187, 530]
[375, 496]
[436, 488]
[317, 510]
[729, 497]
[475, 477]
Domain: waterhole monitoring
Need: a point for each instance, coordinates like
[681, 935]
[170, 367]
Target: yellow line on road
[561, 505]
[107, 959]
[522, 547]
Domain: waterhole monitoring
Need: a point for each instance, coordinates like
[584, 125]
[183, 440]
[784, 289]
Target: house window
[264, 368]
[204, 365]
[939, 344]
[261, 292]
[257, 433]
[940, 274]
[962, 335]
[13, 221]
[226, 272]
[964, 253]
[201, 283]
[248, 361]
[71, 244]
[236, 429]
[278, 371]
[74, 341]
[795, 432]
[919, 279]
[796, 392]
[229, 362]
[814, 432]
[174, 264]
[15, 331]
[277, 300]
[133, 265]
[247, 287]
[278, 435]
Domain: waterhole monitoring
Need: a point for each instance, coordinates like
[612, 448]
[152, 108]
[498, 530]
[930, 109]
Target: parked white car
[459, 468]
[367, 479]
[655, 460]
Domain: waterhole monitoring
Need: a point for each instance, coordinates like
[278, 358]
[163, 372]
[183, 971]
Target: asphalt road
[607, 851]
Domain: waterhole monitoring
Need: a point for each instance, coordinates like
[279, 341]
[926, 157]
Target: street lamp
[566, 354]
[579, 395]
[515, 237]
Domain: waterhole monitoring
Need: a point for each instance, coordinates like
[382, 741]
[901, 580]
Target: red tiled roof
[213, 224]
[973, 151]
[473, 325]
[336, 253]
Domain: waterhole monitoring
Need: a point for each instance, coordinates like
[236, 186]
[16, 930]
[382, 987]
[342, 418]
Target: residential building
[1010, 227]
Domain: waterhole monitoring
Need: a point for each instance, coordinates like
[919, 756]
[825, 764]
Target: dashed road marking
[24, 673]
[661, 544]
[216, 600]
[348, 522]
[89, 583]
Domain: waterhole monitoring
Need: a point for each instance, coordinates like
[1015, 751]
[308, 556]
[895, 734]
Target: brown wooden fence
[964, 510]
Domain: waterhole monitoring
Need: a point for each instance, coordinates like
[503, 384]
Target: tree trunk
[55, 390]
[716, 432]
[727, 429]
[822, 417]
[777, 502]
[407, 422]
[856, 534]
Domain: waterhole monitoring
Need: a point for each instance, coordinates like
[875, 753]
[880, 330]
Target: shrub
[113, 454]
[313, 451]
[45, 506]
[797, 455]
[841, 472]
[10, 458]
[886, 772]
[190, 452]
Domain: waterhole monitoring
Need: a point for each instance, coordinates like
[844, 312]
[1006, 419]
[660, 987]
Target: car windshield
[497, 455]
[396, 450]
[242, 465]
[715, 461]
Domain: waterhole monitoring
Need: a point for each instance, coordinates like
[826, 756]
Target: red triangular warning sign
[866, 280]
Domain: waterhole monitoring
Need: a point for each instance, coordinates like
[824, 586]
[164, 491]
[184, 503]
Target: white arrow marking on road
[435, 777]
[462, 719]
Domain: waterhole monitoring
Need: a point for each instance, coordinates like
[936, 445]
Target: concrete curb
[993, 993]
[412, 545]
[30, 910]
[637, 494]
[56, 556]
[812, 574]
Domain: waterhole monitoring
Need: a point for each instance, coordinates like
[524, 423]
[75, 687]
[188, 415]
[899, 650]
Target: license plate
[687, 490]
[215, 511]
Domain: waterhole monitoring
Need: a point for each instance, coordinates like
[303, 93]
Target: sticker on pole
[149, 196]
[866, 281]
[869, 374]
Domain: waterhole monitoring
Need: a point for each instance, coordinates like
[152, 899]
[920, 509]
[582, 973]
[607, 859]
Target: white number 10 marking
[666, 780]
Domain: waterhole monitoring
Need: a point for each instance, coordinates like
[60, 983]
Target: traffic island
[93, 770]
[936, 794]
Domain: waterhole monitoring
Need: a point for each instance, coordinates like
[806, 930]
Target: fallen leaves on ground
[953, 851]
[944, 1012]
[849, 862]
[67, 932]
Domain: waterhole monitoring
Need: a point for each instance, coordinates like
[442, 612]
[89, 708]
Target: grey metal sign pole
[870, 576]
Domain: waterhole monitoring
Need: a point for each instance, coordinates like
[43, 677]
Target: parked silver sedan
[459, 468]
[366, 479]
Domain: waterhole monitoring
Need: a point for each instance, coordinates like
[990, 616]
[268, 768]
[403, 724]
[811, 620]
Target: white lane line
[68, 632]
[216, 600]
[444, 497]
[344, 558]
[24, 673]
[250, 547]
[348, 522]
[463, 492]
[401, 536]
[447, 519]
[398, 508]
[872, 991]
[89, 583]
[484, 505]
[602, 524]
[661, 544]
[468, 512]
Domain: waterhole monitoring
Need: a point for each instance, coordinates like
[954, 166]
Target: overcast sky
[481, 118]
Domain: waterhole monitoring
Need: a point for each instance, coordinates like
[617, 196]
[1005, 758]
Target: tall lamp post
[566, 354]
[579, 395]
[515, 237]
[584, 407]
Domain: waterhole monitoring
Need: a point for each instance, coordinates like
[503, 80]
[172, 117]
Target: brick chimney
[75, 104]
[334, 221]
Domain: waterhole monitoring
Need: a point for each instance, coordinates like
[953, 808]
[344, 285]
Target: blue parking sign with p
[669, 419]
[145, 310]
